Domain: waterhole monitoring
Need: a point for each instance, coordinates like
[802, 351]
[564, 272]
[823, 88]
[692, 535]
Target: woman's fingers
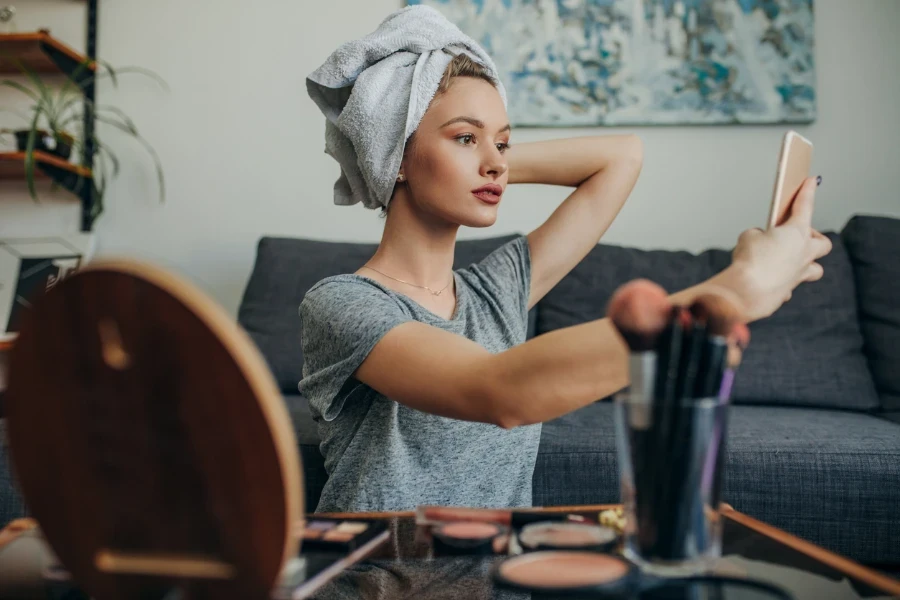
[820, 245]
[749, 234]
[814, 272]
[802, 207]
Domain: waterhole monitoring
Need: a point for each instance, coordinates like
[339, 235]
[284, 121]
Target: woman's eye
[466, 139]
[502, 147]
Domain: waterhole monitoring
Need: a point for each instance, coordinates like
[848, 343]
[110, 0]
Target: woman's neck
[415, 247]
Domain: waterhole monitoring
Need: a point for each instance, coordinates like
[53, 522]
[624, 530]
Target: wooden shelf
[7, 342]
[39, 52]
[12, 165]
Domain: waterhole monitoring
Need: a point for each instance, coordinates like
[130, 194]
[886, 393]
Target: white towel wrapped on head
[374, 92]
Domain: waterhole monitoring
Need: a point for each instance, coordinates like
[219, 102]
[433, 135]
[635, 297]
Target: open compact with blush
[340, 536]
[571, 556]
[593, 576]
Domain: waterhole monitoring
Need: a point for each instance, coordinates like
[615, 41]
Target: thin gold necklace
[424, 287]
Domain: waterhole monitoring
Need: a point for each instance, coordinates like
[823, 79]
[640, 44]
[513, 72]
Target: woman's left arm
[603, 170]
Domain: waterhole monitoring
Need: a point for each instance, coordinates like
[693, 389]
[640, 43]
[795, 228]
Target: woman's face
[455, 168]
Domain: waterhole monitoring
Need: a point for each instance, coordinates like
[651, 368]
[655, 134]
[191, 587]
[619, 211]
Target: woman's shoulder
[510, 261]
[343, 282]
[347, 291]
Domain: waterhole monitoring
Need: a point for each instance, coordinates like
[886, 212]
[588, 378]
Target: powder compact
[338, 535]
[468, 538]
[594, 576]
[567, 536]
[566, 573]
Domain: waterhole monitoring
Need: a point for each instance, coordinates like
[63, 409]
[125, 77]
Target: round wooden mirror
[150, 440]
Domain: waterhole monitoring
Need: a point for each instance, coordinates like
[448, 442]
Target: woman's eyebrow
[472, 121]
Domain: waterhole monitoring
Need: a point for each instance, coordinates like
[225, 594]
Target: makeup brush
[652, 533]
[640, 310]
[738, 341]
[701, 367]
[722, 318]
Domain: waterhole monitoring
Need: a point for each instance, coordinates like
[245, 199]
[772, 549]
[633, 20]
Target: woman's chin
[479, 223]
[484, 216]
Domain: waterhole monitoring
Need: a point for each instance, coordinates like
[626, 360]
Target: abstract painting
[647, 62]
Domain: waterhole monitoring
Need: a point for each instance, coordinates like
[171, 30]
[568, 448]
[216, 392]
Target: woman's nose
[495, 164]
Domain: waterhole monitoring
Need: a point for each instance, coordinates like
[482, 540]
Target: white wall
[243, 144]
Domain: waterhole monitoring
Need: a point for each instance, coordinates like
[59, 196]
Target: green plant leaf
[104, 149]
[18, 113]
[18, 86]
[64, 125]
[65, 111]
[97, 207]
[115, 72]
[43, 90]
[160, 175]
[100, 179]
[41, 93]
[29, 160]
[124, 127]
[132, 128]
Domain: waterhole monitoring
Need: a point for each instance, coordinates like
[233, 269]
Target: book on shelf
[30, 266]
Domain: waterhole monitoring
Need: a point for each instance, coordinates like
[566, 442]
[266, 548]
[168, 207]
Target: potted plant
[56, 125]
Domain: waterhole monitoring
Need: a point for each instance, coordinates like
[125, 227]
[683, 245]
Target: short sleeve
[340, 321]
[505, 276]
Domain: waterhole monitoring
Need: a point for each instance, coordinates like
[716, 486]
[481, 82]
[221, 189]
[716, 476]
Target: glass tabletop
[403, 568]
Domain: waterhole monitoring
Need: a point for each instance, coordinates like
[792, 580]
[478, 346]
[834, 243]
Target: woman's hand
[768, 265]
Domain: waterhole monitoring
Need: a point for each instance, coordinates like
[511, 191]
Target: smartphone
[794, 163]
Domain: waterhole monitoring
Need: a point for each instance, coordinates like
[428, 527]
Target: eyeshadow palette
[338, 535]
[328, 547]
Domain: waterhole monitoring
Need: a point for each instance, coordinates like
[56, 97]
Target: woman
[420, 378]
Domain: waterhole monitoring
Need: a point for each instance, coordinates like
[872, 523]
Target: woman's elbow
[633, 150]
[508, 420]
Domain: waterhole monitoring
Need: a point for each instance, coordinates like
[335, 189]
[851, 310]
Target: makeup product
[565, 573]
[640, 310]
[593, 576]
[436, 515]
[316, 565]
[651, 459]
[722, 323]
[699, 377]
[642, 314]
[466, 538]
[338, 535]
[670, 463]
[567, 536]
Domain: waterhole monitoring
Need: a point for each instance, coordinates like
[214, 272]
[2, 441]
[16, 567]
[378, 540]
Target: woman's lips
[489, 193]
[488, 197]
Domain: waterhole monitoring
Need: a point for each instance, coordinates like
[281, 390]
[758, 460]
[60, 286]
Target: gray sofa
[812, 450]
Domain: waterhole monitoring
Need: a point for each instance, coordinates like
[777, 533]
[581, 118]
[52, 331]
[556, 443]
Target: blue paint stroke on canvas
[635, 62]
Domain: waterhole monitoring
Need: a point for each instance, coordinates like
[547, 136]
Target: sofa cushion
[12, 504]
[832, 477]
[873, 244]
[285, 269]
[809, 353]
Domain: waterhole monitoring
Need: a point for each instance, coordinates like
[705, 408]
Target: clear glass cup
[671, 465]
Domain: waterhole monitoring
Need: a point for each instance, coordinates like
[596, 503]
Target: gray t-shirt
[381, 455]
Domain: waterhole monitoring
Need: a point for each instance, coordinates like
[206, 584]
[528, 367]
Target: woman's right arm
[438, 372]
[446, 374]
